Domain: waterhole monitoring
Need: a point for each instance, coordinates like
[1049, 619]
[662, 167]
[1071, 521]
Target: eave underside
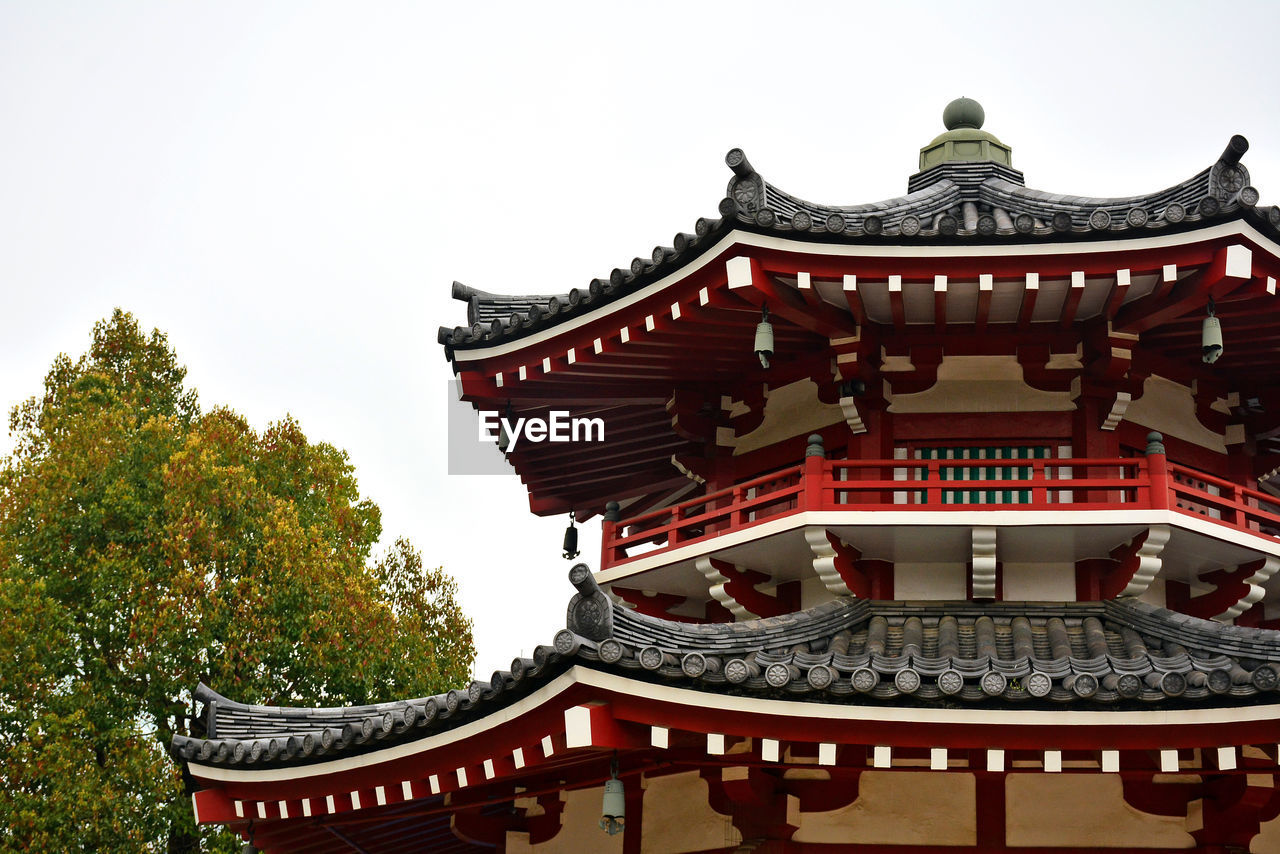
[672, 372]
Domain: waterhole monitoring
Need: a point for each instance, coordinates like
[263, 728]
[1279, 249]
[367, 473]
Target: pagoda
[945, 522]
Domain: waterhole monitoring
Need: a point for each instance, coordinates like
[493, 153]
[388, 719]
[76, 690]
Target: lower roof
[1120, 655]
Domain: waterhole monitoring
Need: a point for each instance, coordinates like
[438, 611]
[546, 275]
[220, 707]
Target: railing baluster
[1039, 493]
[677, 528]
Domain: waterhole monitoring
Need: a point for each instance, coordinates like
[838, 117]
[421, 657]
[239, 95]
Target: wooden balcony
[940, 486]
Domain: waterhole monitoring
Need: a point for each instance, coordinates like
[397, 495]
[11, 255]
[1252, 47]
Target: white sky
[289, 189]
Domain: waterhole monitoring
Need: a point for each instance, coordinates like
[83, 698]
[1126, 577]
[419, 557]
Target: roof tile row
[846, 651]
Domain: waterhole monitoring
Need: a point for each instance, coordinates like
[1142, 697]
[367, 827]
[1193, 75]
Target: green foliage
[146, 545]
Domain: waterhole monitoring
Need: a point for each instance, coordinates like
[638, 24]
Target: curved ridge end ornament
[1149, 561]
[590, 613]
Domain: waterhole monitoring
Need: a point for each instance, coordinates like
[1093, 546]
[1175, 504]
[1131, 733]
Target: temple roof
[1121, 653]
[955, 202]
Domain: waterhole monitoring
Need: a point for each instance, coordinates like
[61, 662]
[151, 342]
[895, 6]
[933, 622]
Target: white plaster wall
[900, 808]
[1039, 582]
[929, 580]
[813, 592]
[1085, 811]
[1154, 594]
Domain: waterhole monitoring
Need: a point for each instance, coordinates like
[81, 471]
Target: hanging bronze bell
[570, 540]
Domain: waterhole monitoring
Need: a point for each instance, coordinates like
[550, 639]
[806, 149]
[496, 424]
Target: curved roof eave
[963, 204]
[1100, 655]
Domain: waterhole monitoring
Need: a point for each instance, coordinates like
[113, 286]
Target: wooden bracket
[735, 588]
[1131, 567]
[1108, 372]
[1236, 590]
[694, 468]
[756, 799]
[983, 567]
[1232, 808]
[843, 569]
[922, 373]
[836, 563]
[1035, 360]
[748, 279]
[653, 604]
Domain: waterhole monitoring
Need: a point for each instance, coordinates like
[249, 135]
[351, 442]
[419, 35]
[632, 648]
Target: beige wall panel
[579, 829]
[1268, 841]
[677, 817]
[1039, 582]
[981, 384]
[902, 808]
[1169, 408]
[790, 411]
[913, 581]
[1085, 811]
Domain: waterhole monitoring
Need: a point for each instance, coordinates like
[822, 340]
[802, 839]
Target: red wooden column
[990, 805]
[631, 841]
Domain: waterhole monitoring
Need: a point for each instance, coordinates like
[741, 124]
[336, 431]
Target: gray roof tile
[1144, 655]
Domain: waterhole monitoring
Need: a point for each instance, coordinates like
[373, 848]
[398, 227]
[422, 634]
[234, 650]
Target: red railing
[1136, 483]
[1231, 504]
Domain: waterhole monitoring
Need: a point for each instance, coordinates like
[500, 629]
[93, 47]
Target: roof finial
[963, 113]
[964, 140]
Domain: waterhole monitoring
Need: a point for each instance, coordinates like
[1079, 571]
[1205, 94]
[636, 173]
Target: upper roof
[1099, 654]
[972, 196]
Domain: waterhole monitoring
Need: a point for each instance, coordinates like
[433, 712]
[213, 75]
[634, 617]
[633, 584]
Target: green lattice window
[997, 462]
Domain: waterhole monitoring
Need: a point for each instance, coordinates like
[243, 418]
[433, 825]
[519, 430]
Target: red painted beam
[1071, 301]
[749, 282]
[982, 312]
[1230, 270]
[1030, 292]
[1119, 291]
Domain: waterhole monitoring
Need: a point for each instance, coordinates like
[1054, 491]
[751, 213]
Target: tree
[146, 545]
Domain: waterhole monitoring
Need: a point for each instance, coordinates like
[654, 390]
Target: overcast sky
[288, 189]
